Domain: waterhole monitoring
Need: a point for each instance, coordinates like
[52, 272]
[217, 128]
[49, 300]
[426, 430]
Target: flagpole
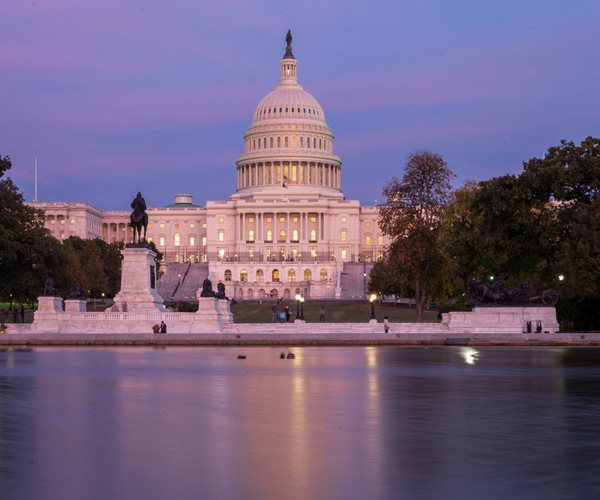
[35, 190]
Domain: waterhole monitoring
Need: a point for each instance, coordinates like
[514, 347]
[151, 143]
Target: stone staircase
[353, 282]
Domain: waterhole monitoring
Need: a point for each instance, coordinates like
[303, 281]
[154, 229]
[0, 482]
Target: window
[313, 218]
[72, 221]
[204, 225]
[250, 219]
[203, 241]
[149, 239]
[343, 219]
[162, 225]
[271, 142]
[380, 240]
[221, 234]
[192, 225]
[192, 240]
[301, 142]
[286, 142]
[294, 219]
[177, 239]
[368, 224]
[251, 235]
[221, 219]
[279, 142]
[323, 275]
[281, 219]
[269, 235]
[313, 252]
[282, 235]
[149, 226]
[269, 219]
[307, 275]
[260, 275]
[368, 239]
[344, 235]
[161, 241]
[344, 254]
[275, 275]
[243, 276]
[227, 274]
[176, 226]
[295, 235]
[313, 235]
[292, 275]
[52, 221]
[62, 221]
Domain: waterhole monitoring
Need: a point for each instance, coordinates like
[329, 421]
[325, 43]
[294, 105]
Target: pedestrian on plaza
[322, 314]
[286, 309]
[155, 328]
[273, 313]
[163, 327]
[386, 324]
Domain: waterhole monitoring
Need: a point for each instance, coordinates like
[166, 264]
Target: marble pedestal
[45, 318]
[212, 314]
[75, 306]
[138, 282]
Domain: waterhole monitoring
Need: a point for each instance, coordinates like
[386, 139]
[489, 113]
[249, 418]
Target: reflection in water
[354, 422]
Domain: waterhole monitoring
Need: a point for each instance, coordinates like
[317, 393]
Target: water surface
[354, 422]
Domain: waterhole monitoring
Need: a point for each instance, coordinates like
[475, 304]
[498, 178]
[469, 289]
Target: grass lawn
[335, 312]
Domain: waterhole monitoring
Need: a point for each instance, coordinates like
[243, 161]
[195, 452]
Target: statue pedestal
[138, 282]
[75, 306]
[212, 314]
[45, 318]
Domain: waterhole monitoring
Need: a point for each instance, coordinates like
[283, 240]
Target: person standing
[163, 327]
[386, 324]
[286, 309]
[22, 314]
[322, 314]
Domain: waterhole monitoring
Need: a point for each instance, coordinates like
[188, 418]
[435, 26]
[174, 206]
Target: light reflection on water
[354, 422]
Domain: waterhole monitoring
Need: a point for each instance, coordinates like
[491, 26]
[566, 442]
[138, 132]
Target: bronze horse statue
[139, 218]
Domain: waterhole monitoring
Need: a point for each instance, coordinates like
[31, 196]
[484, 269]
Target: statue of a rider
[139, 217]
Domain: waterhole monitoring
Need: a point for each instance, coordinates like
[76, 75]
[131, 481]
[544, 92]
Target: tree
[28, 252]
[412, 219]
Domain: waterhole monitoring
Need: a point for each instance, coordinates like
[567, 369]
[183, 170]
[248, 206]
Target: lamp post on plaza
[372, 299]
[298, 297]
[302, 308]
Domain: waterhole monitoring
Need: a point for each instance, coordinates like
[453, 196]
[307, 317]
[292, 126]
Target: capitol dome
[288, 146]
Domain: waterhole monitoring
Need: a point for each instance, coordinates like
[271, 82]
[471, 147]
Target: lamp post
[302, 308]
[372, 299]
[297, 297]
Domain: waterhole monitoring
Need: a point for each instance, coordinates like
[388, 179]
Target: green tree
[412, 219]
[28, 252]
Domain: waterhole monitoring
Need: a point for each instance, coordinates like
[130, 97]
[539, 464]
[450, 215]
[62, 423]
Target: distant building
[287, 229]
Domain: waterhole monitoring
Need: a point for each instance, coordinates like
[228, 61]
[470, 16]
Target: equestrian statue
[139, 218]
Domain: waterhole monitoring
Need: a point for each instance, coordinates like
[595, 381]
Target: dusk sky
[118, 96]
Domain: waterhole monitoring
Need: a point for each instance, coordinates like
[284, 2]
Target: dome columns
[288, 172]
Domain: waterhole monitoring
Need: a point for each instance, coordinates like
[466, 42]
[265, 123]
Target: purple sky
[115, 97]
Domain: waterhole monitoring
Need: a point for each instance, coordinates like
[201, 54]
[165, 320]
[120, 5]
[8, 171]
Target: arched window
[221, 235]
[286, 141]
[282, 235]
[307, 275]
[251, 235]
[243, 275]
[323, 275]
[271, 142]
[313, 235]
[295, 235]
[177, 239]
[227, 274]
[250, 294]
[264, 142]
[260, 275]
[344, 235]
[292, 275]
[301, 142]
[269, 235]
[368, 239]
[279, 142]
[275, 275]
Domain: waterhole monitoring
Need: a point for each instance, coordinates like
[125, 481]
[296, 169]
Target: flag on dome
[286, 181]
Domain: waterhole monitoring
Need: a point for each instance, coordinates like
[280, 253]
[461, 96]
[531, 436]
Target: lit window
[192, 225]
[72, 221]
[149, 226]
[269, 235]
[294, 219]
[243, 275]
[177, 239]
[204, 225]
[367, 240]
[344, 235]
[221, 235]
[203, 241]
[149, 239]
[161, 241]
[380, 240]
[52, 221]
[344, 254]
[62, 221]
[282, 235]
[343, 219]
[313, 218]
[250, 219]
[227, 274]
[192, 241]
[313, 253]
[307, 275]
[292, 275]
[221, 219]
[251, 235]
[323, 275]
[162, 225]
[368, 224]
[295, 235]
[269, 219]
[313, 235]
[281, 219]
[260, 275]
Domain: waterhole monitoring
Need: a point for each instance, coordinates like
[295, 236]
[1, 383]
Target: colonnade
[302, 173]
[304, 226]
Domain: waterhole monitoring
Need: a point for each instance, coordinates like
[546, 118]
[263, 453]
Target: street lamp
[372, 299]
[298, 297]
[302, 308]
[561, 277]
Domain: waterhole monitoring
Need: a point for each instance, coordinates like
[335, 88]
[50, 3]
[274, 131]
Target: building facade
[287, 229]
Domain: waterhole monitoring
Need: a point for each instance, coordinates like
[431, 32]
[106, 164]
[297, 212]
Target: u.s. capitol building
[287, 229]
